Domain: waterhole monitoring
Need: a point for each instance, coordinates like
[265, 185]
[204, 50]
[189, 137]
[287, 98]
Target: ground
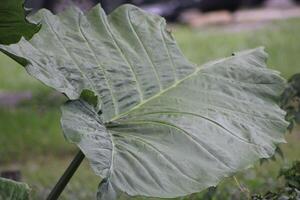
[31, 138]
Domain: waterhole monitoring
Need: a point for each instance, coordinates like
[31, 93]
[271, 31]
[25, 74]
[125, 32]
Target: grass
[31, 138]
[280, 40]
[26, 132]
[14, 77]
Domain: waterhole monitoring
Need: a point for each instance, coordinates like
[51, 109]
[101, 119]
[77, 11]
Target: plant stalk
[65, 178]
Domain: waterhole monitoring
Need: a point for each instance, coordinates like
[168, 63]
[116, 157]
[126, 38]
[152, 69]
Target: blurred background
[32, 147]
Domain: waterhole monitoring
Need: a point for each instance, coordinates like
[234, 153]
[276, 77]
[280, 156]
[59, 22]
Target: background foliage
[291, 188]
[290, 101]
[13, 24]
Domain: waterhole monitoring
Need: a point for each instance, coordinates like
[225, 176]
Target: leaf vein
[146, 51]
[162, 123]
[116, 106]
[66, 50]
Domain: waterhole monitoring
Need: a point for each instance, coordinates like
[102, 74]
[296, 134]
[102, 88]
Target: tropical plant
[290, 100]
[158, 126]
[291, 189]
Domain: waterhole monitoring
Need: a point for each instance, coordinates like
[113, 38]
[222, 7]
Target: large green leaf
[11, 190]
[13, 24]
[212, 123]
[167, 128]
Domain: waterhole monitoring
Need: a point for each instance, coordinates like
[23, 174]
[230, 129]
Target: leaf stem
[243, 189]
[65, 178]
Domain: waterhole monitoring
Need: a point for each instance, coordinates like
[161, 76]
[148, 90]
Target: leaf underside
[13, 24]
[112, 56]
[168, 128]
[11, 190]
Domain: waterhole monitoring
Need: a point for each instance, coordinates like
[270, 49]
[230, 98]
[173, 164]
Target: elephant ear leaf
[214, 122]
[13, 22]
[11, 190]
[168, 128]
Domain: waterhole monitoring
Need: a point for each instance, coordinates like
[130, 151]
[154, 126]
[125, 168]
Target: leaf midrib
[197, 69]
[153, 97]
